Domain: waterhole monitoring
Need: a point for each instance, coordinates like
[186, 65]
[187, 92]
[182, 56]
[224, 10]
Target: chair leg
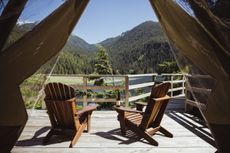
[77, 135]
[148, 137]
[165, 132]
[47, 137]
[122, 125]
[89, 122]
[142, 134]
[121, 119]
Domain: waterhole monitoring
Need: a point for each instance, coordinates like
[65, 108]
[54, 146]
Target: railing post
[186, 98]
[171, 85]
[85, 91]
[183, 84]
[153, 79]
[126, 91]
[186, 95]
[43, 102]
[118, 97]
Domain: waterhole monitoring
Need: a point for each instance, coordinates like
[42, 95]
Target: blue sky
[100, 20]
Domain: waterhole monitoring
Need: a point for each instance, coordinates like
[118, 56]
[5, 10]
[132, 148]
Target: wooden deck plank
[105, 137]
[114, 150]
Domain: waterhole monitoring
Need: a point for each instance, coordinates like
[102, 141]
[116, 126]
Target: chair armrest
[125, 109]
[161, 98]
[87, 109]
[141, 103]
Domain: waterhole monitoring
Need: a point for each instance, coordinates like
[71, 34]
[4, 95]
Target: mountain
[18, 31]
[138, 50]
[74, 58]
[75, 43]
[139, 34]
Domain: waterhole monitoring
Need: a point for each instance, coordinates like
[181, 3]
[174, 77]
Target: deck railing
[198, 91]
[125, 85]
[177, 85]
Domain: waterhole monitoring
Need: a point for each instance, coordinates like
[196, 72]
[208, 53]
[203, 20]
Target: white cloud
[20, 22]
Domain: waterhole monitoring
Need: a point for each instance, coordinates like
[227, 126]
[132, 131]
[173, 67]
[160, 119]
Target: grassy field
[66, 79]
[73, 80]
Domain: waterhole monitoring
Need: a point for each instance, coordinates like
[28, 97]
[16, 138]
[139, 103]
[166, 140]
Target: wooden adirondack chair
[65, 120]
[146, 124]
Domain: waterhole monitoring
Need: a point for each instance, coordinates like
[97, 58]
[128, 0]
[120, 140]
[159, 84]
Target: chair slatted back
[59, 91]
[155, 109]
[60, 102]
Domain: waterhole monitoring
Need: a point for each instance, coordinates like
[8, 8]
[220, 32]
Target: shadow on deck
[190, 135]
[194, 123]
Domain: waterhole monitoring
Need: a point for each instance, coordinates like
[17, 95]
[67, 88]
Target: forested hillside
[139, 50]
[75, 57]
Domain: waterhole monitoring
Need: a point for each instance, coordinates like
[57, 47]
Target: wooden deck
[189, 136]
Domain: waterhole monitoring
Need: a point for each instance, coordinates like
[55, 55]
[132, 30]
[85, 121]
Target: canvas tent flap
[204, 49]
[8, 18]
[25, 56]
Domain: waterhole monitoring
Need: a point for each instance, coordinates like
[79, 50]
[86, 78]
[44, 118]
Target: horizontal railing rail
[121, 83]
[198, 88]
[177, 85]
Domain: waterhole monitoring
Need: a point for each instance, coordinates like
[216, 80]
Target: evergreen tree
[102, 63]
[167, 67]
[102, 66]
